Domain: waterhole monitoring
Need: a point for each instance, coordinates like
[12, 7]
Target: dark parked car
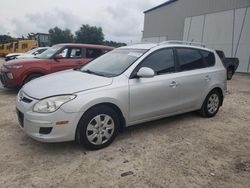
[57, 58]
[231, 63]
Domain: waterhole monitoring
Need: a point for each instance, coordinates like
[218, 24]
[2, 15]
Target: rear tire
[211, 104]
[97, 128]
[31, 77]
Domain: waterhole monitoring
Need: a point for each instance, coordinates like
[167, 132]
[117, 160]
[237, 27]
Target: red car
[57, 58]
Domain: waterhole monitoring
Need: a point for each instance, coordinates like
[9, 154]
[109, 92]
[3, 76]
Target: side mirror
[145, 72]
[58, 56]
[35, 53]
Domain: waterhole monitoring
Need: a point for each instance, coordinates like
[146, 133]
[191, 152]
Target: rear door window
[75, 53]
[93, 53]
[189, 59]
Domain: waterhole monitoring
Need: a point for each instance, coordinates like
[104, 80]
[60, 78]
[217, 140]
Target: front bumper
[44, 127]
[7, 82]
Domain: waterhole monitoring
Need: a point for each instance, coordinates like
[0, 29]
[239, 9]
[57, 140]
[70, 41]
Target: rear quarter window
[190, 59]
[209, 58]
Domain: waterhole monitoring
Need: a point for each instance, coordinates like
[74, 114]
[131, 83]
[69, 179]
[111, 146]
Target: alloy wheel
[213, 103]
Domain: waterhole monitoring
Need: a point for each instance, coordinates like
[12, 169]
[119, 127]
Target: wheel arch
[29, 72]
[220, 92]
[116, 108]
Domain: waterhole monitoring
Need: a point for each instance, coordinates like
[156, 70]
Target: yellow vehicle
[20, 46]
[4, 49]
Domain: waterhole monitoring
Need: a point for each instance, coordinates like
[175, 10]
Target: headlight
[14, 66]
[10, 75]
[52, 104]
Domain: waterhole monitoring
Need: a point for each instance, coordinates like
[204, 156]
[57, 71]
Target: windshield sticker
[135, 54]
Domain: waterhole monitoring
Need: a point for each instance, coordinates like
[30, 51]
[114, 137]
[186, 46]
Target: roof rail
[191, 43]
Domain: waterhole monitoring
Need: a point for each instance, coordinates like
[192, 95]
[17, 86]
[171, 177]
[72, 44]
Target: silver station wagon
[124, 87]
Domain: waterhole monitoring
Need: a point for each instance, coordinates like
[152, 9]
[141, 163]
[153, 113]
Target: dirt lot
[182, 151]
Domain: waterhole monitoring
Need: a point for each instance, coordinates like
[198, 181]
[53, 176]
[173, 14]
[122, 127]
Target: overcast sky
[121, 20]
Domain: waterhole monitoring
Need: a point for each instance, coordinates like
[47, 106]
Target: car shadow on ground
[8, 91]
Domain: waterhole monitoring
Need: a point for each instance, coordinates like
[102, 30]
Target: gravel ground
[182, 151]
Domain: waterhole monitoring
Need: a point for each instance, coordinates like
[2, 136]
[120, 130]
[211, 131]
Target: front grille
[26, 100]
[20, 117]
[23, 97]
[45, 130]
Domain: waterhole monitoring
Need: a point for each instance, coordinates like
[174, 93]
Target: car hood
[22, 61]
[25, 56]
[13, 54]
[65, 82]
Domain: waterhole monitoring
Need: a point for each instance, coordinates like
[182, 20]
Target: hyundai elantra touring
[124, 87]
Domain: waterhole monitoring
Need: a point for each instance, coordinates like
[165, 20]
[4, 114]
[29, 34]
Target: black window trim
[136, 69]
[84, 50]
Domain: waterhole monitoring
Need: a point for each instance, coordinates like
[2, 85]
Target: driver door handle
[207, 78]
[173, 84]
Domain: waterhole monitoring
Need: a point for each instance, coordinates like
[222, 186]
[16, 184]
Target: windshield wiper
[93, 72]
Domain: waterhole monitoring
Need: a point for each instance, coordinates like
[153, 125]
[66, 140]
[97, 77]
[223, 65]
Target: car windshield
[49, 52]
[113, 63]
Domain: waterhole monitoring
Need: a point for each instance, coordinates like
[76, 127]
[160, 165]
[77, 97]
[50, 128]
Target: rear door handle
[207, 78]
[173, 84]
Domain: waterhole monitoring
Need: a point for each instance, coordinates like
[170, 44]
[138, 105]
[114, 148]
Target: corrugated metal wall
[226, 30]
[220, 24]
[168, 21]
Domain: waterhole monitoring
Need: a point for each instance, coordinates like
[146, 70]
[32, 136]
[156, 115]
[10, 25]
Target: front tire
[211, 104]
[97, 128]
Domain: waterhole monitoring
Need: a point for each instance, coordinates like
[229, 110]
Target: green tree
[5, 38]
[58, 35]
[114, 44]
[89, 35]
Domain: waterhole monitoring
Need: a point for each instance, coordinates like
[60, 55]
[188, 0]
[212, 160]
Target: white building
[220, 24]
